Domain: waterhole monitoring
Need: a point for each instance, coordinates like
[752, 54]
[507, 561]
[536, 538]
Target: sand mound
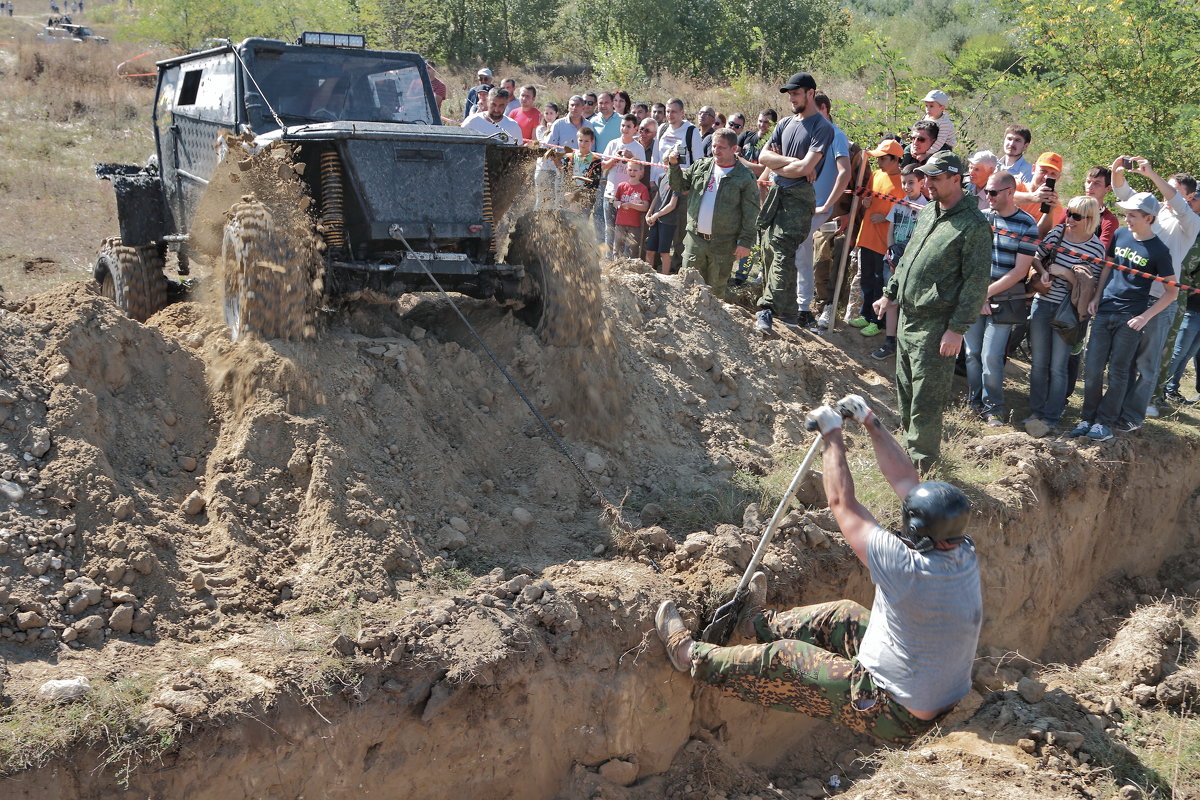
[205, 483]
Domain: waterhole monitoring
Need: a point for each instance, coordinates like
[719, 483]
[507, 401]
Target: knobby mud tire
[133, 278]
[265, 283]
[561, 290]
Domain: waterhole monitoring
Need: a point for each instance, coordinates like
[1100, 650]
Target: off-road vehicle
[391, 196]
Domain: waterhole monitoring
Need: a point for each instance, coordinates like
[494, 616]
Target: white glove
[824, 419]
[853, 405]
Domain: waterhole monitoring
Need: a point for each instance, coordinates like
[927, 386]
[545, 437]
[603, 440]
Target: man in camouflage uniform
[940, 286]
[722, 207]
[892, 672]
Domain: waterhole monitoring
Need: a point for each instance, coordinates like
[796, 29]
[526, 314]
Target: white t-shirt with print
[708, 200]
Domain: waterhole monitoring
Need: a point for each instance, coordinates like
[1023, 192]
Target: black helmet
[933, 511]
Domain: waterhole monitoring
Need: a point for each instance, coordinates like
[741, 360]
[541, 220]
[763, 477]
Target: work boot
[756, 599]
[674, 635]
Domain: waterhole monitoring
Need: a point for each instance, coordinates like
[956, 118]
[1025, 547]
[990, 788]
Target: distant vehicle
[84, 33]
[70, 33]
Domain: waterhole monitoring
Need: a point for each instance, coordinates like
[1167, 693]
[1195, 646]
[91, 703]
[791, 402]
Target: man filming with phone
[1039, 199]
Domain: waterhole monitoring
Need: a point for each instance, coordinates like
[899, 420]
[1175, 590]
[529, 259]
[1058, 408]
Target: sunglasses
[737, 126]
[994, 192]
[1076, 217]
[921, 139]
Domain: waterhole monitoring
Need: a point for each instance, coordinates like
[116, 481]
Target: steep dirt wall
[1050, 535]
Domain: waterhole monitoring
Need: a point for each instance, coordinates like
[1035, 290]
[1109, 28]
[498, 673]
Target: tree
[1113, 77]
[186, 24]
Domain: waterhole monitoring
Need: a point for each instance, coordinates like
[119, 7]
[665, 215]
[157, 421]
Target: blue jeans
[1144, 378]
[985, 343]
[1187, 347]
[1113, 345]
[1048, 372]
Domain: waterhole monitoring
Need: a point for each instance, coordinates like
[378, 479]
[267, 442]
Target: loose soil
[376, 511]
[356, 564]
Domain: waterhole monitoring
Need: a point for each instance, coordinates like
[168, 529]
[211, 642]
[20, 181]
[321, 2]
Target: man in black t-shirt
[794, 154]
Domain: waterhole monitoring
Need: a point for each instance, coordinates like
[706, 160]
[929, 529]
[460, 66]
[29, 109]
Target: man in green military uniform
[940, 286]
[893, 671]
[722, 208]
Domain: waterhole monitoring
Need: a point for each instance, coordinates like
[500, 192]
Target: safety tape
[1062, 248]
[864, 192]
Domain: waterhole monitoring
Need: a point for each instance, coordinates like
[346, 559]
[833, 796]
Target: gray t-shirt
[925, 621]
[797, 136]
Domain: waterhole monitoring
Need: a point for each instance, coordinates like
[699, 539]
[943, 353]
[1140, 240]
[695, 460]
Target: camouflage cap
[942, 161]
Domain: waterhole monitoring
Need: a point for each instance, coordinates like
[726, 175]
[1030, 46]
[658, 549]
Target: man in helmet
[892, 672]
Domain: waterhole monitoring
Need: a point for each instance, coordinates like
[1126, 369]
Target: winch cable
[266, 102]
[611, 511]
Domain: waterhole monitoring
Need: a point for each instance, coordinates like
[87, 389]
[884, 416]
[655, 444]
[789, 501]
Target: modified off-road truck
[391, 198]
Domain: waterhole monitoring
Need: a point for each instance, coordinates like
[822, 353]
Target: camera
[1128, 163]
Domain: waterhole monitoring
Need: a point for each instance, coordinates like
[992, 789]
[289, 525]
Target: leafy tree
[185, 24]
[1113, 77]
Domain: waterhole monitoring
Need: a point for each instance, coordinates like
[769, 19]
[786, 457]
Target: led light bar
[318, 39]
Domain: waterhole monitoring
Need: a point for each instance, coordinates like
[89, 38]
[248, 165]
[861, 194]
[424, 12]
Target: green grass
[33, 733]
[447, 580]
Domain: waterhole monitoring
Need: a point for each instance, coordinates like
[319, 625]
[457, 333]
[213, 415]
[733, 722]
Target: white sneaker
[1151, 410]
[825, 321]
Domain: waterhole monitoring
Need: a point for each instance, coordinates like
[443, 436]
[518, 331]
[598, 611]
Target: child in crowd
[935, 111]
[631, 199]
[886, 188]
[661, 221]
[902, 218]
[584, 169]
[545, 177]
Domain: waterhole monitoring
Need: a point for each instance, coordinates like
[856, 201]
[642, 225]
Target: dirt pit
[357, 564]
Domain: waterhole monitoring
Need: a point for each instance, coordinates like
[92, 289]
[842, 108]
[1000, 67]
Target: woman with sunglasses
[1070, 272]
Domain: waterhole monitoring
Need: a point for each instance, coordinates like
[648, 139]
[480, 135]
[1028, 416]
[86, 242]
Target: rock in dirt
[1178, 688]
[1032, 691]
[619, 771]
[121, 619]
[523, 517]
[652, 514]
[65, 689]
[12, 491]
[41, 442]
[448, 538]
[28, 620]
[194, 504]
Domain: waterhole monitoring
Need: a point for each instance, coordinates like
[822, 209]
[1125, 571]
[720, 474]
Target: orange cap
[1051, 161]
[888, 147]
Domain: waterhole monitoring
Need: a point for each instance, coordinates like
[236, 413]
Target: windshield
[323, 85]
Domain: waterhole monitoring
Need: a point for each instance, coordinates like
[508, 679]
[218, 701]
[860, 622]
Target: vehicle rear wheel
[132, 277]
[265, 283]
[561, 289]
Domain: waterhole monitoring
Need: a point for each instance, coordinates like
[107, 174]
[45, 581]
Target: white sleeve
[1124, 191]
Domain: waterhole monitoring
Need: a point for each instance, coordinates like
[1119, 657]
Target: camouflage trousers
[806, 661]
[924, 384]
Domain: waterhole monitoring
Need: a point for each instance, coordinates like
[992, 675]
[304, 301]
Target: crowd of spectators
[1067, 280]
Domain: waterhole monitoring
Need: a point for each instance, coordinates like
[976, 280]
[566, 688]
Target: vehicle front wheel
[266, 286]
[561, 290]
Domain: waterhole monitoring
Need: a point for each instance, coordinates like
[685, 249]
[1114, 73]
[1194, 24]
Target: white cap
[1142, 201]
[937, 96]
